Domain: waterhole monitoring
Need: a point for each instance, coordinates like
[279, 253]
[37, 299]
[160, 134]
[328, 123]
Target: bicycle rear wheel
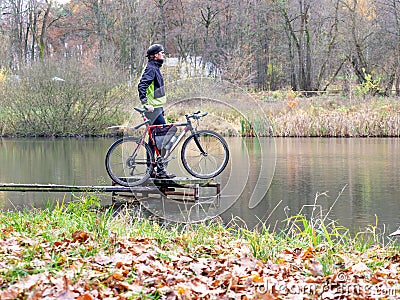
[129, 162]
[205, 154]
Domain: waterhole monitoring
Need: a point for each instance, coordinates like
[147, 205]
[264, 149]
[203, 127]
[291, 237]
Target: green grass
[52, 225]
[51, 240]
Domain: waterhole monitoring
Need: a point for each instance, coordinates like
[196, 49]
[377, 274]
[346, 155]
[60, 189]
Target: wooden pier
[179, 186]
[36, 187]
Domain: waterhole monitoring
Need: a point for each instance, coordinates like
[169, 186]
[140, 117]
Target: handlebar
[196, 115]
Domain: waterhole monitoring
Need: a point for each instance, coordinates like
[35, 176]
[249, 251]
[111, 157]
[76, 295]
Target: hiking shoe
[164, 175]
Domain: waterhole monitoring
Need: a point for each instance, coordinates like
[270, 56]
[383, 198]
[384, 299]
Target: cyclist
[152, 95]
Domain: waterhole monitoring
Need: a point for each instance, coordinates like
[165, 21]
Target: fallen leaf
[80, 236]
[315, 268]
[9, 294]
[118, 275]
[360, 268]
[86, 296]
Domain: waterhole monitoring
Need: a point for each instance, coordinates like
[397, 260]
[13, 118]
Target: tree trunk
[43, 33]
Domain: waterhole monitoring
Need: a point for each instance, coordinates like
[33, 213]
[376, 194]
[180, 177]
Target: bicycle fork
[196, 140]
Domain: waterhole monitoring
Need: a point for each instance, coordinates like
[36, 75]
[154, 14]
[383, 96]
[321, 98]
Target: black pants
[156, 118]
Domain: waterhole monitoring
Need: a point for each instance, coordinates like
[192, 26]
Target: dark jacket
[151, 85]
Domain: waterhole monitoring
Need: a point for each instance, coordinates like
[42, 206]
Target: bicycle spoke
[127, 161]
[212, 161]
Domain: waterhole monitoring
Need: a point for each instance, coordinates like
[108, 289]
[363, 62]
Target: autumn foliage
[75, 252]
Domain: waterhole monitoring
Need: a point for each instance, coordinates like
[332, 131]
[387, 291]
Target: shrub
[52, 98]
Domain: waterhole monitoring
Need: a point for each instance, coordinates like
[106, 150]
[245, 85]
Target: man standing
[151, 86]
[152, 94]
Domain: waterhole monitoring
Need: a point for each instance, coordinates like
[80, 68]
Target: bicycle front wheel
[205, 154]
[129, 162]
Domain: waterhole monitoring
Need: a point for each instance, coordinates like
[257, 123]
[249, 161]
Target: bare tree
[40, 37]
[130, 37]
[304, 44]
[358, 32]
[208, 16]
[161, 5]
[387, 43]
[330, 63]
[103, 25]
[17, 24]
[299, 38]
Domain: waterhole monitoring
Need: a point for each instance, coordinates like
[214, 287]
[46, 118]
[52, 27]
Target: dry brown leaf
[315, 268]
[200, 288]
[102, 259]
[257, 278]
[309, 253]
[144, 269]
[146, 256]
[118, 275]
[197, 268]
[122, 259]
[9, 294]
[296, 252]
[183, 293]
[183, 260]
[67, 295]
[360, 268]
[375, 279]
[265, 296]
[86, 296]
[135, 288]
[80, 236]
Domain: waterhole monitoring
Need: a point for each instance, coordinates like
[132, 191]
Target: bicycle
[130, 160]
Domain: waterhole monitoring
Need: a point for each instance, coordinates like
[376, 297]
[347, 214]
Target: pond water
[352, 181]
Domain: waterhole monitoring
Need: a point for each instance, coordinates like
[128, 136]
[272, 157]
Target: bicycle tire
[123, 168]
[210, 164]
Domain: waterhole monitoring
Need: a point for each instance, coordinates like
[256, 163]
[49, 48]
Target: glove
[149, 107]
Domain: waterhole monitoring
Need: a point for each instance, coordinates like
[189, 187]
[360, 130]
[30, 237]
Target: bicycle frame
[149, 131]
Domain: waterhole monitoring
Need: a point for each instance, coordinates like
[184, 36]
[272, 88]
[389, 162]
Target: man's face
[159, 55]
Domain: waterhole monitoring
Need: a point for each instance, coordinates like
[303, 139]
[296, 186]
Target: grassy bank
[78, 251]
[336, 117]
[319, 116]
[39, 103]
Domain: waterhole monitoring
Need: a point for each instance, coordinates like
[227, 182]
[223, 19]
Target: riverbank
[335, 117]
[328, 116]
[78, 251]
[244, 115]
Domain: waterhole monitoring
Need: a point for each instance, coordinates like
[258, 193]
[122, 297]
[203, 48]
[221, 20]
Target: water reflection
[57, 161]
[367, 170]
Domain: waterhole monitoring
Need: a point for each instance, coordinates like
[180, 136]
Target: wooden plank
[72, 188]
[151, 186]
[184, 180]
[180, 182]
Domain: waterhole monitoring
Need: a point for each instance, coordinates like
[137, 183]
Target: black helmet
[154, 49]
